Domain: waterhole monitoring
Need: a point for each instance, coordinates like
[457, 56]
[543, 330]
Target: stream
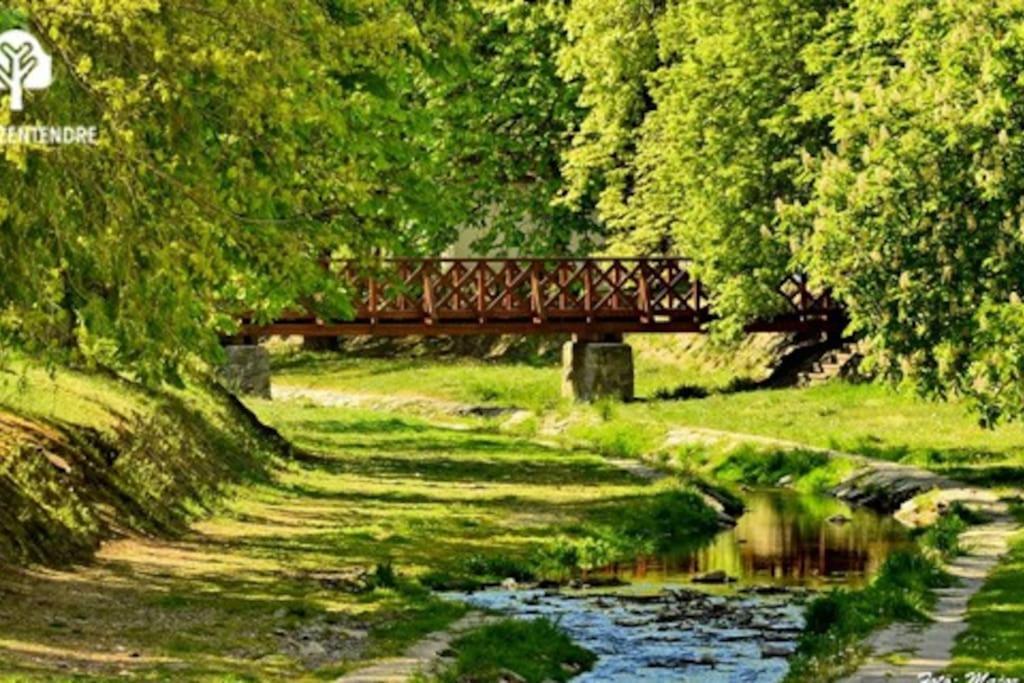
[662, 626]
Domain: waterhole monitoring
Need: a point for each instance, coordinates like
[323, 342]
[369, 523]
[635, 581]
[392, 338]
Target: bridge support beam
[247, 370]
[597, 368]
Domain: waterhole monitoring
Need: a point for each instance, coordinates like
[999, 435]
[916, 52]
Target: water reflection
[785, 538]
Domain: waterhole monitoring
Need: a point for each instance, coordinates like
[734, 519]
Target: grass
[866, 419]
[536, 651]
[663, 365]
[334, 543]
[342, 540]
[994, 640]
[837, 622]
[87, 456]
[944, 535]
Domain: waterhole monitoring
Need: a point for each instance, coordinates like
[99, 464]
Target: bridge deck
[538, 296]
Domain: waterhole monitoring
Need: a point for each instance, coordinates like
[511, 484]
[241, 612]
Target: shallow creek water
[663, 627]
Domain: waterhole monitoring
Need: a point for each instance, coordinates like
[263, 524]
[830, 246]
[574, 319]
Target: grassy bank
[315, 570]
[838, 622]
[86, 456]
[865, 419]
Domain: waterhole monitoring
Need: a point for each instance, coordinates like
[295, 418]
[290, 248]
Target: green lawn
[867, 419]
[316, 547]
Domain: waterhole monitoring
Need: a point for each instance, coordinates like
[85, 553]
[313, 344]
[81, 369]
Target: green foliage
[692, 134]
[916, 207]
[873, 144]
[535, 650]
[504, 117]
[837, 621]
[944, 535]
[242, 140]
[239, 141]
[756, 466]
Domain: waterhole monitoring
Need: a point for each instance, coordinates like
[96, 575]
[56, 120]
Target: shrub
[757, 466]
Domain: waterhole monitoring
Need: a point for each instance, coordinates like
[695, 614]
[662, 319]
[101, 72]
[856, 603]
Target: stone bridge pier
[593, 367]
[598, 366]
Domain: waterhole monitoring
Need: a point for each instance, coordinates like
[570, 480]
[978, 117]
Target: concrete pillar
[597, 369]
[247, 370]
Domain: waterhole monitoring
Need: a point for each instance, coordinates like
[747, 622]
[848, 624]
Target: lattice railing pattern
[528, 296]
[526, 289]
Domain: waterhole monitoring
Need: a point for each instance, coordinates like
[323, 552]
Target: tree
[240, 139]
[693, 133]
[504, 119]
[916, 209]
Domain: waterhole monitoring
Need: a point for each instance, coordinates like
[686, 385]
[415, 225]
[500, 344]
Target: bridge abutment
[247, 370]
[595, 369]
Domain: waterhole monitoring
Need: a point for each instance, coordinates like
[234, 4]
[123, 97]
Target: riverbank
[808, 439]
[87, 457]
[327, 563]
[320, 568]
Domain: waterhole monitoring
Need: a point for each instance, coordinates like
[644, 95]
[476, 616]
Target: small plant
[534, 651]
[606, 409]
[944, 535]
[384, 576]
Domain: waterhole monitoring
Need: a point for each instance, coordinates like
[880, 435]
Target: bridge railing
[526, 290]
[526, 295]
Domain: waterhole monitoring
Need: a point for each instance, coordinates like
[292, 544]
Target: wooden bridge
[591, 298]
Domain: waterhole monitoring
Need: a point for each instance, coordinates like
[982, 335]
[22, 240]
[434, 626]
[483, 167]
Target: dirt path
[422, 657]
[903, 653]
